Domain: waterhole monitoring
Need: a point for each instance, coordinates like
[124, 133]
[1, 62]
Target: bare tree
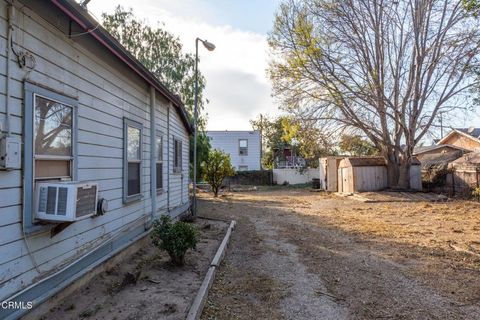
[385, 68]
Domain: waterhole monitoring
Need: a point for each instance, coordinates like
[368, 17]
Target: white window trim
[157, 161]
[130, 123]
[30, 90]
[72, 158]
[240, 148]
[177, 169]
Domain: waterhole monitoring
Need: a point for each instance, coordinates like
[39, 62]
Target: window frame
[177, 169]
[30, 91]
[157, 161]
[54, 157]
[240, 148]
[137, 125]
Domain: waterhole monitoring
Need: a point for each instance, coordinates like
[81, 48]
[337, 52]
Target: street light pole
[195, 111]
[210, 47]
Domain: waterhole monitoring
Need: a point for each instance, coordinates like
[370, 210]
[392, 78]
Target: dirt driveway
[302, 255]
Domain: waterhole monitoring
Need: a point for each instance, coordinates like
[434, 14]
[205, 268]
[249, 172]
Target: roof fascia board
[121, 53]
[459, 132]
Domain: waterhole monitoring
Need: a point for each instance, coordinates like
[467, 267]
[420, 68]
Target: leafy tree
[382, 68]
[162, 54]
[356, 146]
[203, 148]
[472, 6]
[216, 168]
[309, 142]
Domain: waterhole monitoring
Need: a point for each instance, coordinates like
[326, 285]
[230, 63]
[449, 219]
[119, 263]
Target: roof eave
[77, 13]
[459, 132]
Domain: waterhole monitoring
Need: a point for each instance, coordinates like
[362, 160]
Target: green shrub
[175, 238]
[476, 193]
[217, 167]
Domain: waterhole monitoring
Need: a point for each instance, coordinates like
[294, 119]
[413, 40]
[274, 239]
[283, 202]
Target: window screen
[53, 139]
[133, 160]
[177, 156]
[159, 164]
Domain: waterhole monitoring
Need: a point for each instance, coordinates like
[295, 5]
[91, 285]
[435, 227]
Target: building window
[242, 168]
[243, 147]
[177, 155]
[53, 139]
[132, 185]
[159, 143]
[50, 144]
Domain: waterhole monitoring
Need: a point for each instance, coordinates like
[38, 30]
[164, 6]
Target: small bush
[175, 238]
[217, 167]
[476, 193]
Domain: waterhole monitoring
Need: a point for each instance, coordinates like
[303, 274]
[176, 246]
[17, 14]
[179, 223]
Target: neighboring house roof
[439, 160]
[471, 133]
[423, 149]
[474, 132]
[471, 158]
[81, 16]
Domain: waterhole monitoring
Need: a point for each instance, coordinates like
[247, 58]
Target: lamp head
[210, 46]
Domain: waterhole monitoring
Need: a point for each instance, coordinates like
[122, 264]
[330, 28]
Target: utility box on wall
[10, 153]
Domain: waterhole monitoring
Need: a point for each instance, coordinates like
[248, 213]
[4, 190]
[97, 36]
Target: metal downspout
[153, 155]
[168, 157]
[10, 17]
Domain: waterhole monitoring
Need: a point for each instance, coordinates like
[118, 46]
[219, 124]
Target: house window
[242, 168]
[53, 139]
[49, 144]
[132, 184]
[243, 147]
[177, 155]
[159, 144]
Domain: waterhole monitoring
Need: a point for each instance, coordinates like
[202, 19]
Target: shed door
[342, 177]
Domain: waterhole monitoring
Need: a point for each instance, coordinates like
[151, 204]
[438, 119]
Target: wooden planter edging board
[199, 303]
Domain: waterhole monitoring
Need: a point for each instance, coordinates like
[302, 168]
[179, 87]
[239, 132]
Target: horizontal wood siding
[107, 92]
[227, 141]
[178, 187]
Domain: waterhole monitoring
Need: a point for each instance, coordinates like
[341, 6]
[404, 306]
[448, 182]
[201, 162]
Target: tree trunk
[178, 260]
[392, 170]
[404, 175]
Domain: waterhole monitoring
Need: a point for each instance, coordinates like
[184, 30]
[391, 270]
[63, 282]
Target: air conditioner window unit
[65, 201]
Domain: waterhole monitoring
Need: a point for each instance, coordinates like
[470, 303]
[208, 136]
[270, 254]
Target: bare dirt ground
[296, 254]
[146, 285]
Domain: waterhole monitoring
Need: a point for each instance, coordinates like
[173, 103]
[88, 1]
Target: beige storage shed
[328, 168]
[360, 174]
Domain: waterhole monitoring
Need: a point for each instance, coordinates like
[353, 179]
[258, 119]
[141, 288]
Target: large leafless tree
[386, 68]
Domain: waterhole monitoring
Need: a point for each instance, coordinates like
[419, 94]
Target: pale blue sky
[250, 15]
[237, 85]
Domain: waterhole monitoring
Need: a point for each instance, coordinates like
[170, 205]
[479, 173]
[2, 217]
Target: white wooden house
[75, 106]
[244, 147]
